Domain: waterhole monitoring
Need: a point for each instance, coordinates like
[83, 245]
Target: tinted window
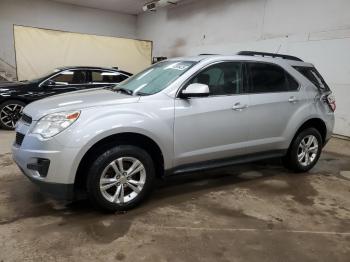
[314, 76]
[293, 84]
[107, 77]
[266, 78]
[70, 77]
[222, 79]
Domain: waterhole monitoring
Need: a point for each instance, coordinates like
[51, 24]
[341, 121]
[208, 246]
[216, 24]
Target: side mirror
[195, 90]
[49, 83]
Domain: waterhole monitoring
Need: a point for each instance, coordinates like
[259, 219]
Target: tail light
[331, 102]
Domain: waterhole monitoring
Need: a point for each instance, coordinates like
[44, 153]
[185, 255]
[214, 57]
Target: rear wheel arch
[128, 138]
[316, 123]
[304, 150]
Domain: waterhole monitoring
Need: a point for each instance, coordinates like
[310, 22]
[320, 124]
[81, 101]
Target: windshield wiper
[141, 94]
[124, 90]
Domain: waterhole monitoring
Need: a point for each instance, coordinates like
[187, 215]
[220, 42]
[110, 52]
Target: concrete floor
[256, 212]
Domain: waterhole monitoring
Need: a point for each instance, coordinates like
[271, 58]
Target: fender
[112, 121]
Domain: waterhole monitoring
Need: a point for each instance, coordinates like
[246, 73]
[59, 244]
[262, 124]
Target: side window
[313, 75]
[70, 77]
[293, 84]
[119, 78]
[265, 78]
[96, 76]
[107, 77]
[222, 79]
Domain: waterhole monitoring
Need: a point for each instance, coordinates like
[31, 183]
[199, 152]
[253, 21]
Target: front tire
[304, 151]
[10, 113]
[120, 178]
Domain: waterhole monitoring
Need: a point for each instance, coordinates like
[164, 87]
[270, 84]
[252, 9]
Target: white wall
[53, 15]
[316, 30]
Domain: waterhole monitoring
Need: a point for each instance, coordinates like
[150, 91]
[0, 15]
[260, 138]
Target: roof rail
[263, 54]
[207, 54]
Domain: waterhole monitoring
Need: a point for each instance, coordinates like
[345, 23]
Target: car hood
[8, 86]
[76, 101]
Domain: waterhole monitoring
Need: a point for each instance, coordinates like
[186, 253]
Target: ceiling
[132, 7]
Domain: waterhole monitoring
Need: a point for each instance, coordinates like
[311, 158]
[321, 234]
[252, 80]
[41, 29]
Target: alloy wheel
[10, 114]
[307, 150]
[122, 180]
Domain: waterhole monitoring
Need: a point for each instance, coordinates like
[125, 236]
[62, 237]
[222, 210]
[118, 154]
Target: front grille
[19, 139]
[26, 119]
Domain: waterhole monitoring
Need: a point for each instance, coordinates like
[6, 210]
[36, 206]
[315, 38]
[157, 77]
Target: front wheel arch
[128, 193]
[128, 138]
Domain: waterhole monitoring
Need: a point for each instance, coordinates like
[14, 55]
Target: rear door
[274, 98]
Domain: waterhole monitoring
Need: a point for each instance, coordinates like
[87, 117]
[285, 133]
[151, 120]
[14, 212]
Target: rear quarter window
[313, 76]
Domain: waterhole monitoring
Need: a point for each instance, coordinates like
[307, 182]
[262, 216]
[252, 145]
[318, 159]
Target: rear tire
[10, 113]
[120, 178]
[304, 151]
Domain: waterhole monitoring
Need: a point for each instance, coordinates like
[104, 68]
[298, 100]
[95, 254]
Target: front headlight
[52, 124]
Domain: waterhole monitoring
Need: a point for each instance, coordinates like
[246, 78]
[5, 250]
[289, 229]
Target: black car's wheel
[304, 151]
[120, 178]
[10, 113]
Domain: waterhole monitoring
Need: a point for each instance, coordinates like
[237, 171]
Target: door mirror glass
[195, 90]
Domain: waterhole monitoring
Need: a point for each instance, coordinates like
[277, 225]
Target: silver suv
[180, 115]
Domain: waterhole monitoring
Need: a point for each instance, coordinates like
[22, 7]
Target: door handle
[293, 100]
[239, 107]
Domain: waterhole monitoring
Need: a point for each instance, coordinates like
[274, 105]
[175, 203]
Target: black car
[15, 95]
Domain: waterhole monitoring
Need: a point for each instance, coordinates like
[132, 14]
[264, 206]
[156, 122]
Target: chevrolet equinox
[180, 115]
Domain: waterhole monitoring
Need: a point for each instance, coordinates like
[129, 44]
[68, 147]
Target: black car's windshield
[156, 78]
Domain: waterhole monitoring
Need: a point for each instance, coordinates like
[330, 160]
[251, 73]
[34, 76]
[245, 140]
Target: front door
[66, 81]
[213, 127]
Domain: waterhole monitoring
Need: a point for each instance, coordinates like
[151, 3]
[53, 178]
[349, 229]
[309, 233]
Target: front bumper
[53, 184]
[46, 163]
[55, 190]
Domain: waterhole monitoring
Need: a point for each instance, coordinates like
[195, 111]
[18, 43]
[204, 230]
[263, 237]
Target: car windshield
[155, 78]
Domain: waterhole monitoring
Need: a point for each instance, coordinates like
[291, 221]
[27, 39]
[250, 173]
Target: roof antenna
[278, 49]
